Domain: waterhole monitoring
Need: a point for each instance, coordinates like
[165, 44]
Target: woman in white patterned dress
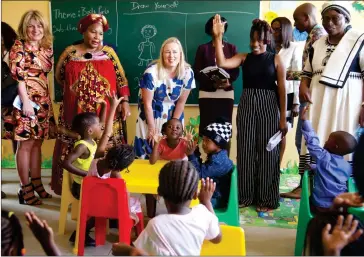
[333, 78]
[164, 89]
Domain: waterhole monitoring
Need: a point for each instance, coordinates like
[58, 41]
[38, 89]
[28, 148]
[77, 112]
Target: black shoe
[89, 241]
[3, 195]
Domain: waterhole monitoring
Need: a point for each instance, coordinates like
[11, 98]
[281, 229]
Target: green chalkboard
[182, 19]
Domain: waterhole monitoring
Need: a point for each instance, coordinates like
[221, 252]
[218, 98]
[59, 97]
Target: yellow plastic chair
[66, 200]
[232, 243]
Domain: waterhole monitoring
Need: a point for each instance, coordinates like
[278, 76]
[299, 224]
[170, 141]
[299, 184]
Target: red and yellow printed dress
[31, 67]
[84, 81]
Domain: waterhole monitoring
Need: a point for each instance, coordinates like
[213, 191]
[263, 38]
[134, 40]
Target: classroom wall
[12, 11]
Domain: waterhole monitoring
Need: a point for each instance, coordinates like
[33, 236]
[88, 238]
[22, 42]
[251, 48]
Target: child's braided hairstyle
[120, 157]
[264, 31]
[11, 233]
[178, 181]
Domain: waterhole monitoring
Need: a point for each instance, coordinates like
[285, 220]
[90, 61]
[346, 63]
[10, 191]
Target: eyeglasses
[334, 19]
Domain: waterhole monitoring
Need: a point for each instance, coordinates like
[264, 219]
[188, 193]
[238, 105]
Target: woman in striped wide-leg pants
[257, 121]
[261, 113]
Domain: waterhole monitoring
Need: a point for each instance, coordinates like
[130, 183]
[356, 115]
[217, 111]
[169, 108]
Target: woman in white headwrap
[333, 77]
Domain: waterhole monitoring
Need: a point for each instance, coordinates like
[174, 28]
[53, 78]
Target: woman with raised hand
[261, 114]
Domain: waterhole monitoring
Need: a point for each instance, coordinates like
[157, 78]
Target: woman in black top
[261, 113]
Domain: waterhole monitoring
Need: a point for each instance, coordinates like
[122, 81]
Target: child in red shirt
[170, 146]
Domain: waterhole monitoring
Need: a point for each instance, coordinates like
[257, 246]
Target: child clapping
[170, 146]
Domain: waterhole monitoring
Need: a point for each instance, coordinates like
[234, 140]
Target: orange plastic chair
[104, 199]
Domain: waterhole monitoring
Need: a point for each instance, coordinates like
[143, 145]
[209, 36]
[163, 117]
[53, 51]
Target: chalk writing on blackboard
[147, 48]
[156, 6]
[81, 12]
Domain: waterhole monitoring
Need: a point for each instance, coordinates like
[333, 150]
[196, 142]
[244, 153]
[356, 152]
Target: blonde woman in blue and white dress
[164, 89]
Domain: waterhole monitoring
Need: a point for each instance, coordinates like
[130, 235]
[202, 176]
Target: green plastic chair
[359, 211]
[230, 214]
[304, 215]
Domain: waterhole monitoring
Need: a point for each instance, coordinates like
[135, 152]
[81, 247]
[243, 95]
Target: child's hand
[188, 134]
[113, 99]
[304, 113]
[191, 147]
[101, 101]
[341, 235]
[346, 200]
[40, 229]
[157, 137]
[207, 189]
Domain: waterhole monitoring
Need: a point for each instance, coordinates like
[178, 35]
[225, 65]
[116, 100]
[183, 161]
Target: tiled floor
[259, 240]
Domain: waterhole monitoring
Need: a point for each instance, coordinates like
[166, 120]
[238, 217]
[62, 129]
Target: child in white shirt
[183, 230]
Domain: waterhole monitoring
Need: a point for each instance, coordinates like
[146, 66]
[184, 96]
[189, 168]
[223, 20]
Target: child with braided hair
[178, 185]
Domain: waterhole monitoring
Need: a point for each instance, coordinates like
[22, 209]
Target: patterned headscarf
[340, 6]
[90, 19]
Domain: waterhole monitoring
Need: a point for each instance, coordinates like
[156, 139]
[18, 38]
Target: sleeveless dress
[257, 121]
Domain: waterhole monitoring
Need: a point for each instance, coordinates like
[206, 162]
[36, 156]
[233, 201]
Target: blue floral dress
[166, 95]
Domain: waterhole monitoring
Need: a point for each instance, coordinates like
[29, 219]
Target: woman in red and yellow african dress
[86, 72]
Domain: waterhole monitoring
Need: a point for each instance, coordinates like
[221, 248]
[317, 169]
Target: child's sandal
[39, 188]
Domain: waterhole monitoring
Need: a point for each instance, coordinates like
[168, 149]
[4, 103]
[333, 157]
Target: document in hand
[18, 104]
[275, 140]
[215, 73]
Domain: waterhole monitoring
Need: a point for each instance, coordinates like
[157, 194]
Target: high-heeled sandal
[39, 188]
[26, 195]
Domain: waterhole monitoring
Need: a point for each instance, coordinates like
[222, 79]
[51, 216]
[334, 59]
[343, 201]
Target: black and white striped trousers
[258, 169]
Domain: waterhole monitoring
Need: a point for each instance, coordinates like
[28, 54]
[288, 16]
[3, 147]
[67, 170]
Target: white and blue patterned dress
[166, 94]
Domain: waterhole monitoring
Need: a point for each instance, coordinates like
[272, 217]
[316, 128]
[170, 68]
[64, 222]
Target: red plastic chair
[105, 199]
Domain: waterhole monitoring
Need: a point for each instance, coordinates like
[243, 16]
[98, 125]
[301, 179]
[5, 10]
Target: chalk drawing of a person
[146, 48]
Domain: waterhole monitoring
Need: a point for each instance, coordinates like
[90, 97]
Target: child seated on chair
[332, 171]
[170, 146]
[78, 162]
[216, 137]
[183, 230]
[118, 158]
